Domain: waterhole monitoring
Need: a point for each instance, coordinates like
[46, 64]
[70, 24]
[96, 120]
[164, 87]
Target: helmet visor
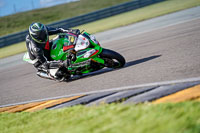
[43, 36]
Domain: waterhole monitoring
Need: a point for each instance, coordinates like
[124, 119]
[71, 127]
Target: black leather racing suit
[41, 52]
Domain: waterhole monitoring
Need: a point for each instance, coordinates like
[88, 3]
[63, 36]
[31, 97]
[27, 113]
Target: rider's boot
[62, 72]
[59, 73]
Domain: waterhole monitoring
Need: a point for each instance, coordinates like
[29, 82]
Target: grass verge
[138, 15]
[12, 50]
[115, 118]
[123, 19]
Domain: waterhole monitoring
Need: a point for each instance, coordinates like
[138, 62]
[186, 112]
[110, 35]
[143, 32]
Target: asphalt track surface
[161, 53]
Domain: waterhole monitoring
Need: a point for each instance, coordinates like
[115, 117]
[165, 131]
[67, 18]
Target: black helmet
[38, 32]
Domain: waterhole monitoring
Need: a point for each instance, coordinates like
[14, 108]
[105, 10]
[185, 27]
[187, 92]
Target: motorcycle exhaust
[43, 75]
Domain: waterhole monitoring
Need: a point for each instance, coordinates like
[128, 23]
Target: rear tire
[112, 59]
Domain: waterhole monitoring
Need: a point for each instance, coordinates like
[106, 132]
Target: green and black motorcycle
[90, 56]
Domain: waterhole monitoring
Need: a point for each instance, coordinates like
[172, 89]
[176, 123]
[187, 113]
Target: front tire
[112, 59]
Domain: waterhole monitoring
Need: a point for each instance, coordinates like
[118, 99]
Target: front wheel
[112, 59]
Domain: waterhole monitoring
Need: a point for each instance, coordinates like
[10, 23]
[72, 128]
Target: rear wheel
[112, 59]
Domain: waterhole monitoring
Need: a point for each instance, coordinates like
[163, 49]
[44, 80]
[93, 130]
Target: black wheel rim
[112, 63]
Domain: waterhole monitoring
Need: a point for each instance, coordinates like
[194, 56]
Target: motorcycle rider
[38, 46]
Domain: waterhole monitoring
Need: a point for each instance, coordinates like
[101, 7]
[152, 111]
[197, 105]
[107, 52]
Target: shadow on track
[128, 64]
[132, 63]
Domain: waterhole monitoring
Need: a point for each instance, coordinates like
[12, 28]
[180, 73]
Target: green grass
[115, 118]
[12, 50]
[134, 16]
[20, 21]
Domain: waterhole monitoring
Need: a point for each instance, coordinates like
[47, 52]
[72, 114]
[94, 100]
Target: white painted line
[113, 89]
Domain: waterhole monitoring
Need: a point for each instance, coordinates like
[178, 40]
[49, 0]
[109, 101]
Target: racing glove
[74, 31]
[63, 30]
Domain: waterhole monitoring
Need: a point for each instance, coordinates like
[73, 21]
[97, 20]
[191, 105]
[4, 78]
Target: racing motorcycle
[90, 56]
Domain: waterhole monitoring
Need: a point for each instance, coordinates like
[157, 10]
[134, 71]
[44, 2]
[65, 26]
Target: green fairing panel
[80, 58]
[58, 54]
[87, 71]
[57, 49]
